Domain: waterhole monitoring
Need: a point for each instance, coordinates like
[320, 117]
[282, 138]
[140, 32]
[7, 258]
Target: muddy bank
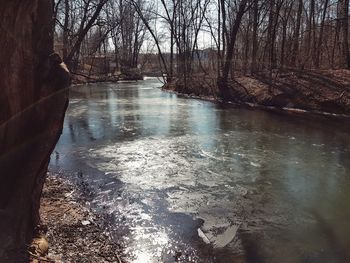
[74, 232]
[320, 91]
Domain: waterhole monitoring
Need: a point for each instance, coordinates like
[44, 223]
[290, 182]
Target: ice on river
[175, 174]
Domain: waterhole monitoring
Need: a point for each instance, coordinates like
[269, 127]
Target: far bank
[326, 91]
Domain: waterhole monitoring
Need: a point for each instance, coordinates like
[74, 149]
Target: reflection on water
[191, 181]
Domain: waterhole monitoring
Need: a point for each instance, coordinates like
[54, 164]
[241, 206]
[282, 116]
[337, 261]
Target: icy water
[184, 180]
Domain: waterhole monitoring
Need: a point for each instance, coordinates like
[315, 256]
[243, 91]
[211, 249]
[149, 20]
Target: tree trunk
[335, 41]
[223, 81]
[224, 34]
[345, 32]
[65, 29]
[171, 73]
[320, 38]
[218, 55]
[33, 100]
[270, 37]
[297, 34]
[255, 35]
[310, 35]
[286, 15]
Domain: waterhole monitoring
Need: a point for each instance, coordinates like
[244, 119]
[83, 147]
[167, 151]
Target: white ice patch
[146, 163]
[255, 164]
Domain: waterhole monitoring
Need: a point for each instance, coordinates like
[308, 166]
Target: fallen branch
[83, 75]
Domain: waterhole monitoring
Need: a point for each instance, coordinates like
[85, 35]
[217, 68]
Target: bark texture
[33, 98]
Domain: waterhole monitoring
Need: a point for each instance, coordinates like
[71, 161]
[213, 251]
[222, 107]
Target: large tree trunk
[33, 100]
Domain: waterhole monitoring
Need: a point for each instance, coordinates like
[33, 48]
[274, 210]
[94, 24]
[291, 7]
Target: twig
[118, 258]
[83, 75]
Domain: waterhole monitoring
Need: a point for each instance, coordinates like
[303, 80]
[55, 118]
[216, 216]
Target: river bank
[74, 232]
[326, 91]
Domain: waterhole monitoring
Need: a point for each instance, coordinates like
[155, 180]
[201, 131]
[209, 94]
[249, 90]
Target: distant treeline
[214, 37]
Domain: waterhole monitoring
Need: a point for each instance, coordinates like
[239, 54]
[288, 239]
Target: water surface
[192, 181]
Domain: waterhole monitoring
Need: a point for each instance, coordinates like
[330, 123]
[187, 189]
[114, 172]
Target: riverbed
[185, 180]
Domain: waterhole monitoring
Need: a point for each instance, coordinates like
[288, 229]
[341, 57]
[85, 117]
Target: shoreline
[292, 91]
[73, 231]
[252, 106]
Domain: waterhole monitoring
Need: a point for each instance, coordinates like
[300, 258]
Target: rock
[85, 222]
[39, 246]
[226, 237]
[203, 236]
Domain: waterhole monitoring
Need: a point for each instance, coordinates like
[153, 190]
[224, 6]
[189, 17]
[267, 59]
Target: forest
[220, 40]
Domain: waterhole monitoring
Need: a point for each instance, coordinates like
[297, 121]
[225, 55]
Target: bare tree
[297, 34]
[79, 17]
[275, 35]
[231, 41]
[344, 17]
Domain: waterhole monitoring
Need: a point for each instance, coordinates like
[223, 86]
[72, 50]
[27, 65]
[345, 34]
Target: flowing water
[185, 180]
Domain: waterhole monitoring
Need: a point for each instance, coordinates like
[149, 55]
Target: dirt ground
[320, 91]
[73, 231]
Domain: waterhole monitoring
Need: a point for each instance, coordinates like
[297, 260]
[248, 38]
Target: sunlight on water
[192, 181]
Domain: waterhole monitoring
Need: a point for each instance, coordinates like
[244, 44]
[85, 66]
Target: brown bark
[345, 32]
[65, 28]
[335, 45]
[310, 35]
[223, 80]
[297, 34]
[320, 38]
[270, 37]
[255, 35]
[285, 18]
[225, 36]
[33, 99]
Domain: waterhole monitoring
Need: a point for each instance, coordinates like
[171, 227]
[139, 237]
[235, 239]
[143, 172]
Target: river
[185, 180]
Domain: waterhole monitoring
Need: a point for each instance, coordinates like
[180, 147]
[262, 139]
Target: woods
[241, 36]
[219, 39]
